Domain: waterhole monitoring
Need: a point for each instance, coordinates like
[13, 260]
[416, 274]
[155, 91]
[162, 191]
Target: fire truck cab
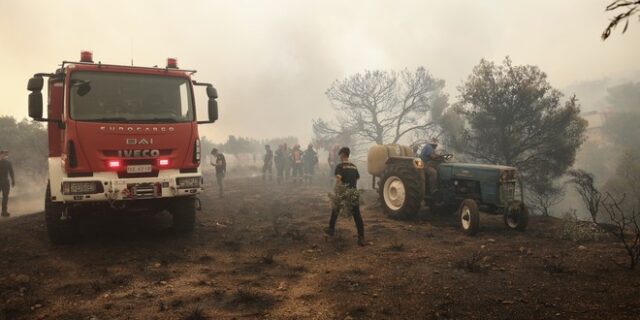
[121, 138]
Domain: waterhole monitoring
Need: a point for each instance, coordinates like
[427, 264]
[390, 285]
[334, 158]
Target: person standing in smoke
[310, 160]
[286, 162]
[220, 163]
[6, 172]
[296, 164]
[347, 175]
[279, 159]
[268, 163]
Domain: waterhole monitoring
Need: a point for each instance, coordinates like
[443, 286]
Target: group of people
[300, 166]
[291, 163]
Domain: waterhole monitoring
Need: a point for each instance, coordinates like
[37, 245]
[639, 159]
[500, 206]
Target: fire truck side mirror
[213, 110]
[212, 93]
[35, 84]
[35, 97]
[35, 105]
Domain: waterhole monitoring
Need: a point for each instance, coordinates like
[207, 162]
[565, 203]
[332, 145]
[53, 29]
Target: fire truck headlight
[189, 182]
[81, 187]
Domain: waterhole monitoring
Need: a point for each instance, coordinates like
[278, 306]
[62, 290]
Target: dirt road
[260, 253]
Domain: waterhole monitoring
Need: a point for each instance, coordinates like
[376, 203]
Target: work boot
[361, 241]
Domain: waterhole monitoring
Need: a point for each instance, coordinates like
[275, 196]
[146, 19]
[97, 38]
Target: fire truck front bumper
[104, 187]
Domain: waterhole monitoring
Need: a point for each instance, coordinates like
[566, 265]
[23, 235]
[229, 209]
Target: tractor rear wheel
[401, 190]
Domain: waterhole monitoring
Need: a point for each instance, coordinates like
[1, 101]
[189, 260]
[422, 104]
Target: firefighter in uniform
[346, 173]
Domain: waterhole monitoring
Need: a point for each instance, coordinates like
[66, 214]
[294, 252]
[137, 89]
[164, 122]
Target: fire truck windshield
[125, 97]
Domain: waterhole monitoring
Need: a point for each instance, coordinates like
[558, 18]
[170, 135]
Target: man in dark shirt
[310, 160]
[268, 163]
[346, 173]
[6, 172]
[220, 163]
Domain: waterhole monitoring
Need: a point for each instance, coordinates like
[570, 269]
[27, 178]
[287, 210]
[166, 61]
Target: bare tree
[544, 195]
[627, 227]
[382, 107]
[628, 7]
[585, 186]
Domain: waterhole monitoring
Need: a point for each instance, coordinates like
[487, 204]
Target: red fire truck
[121, 138]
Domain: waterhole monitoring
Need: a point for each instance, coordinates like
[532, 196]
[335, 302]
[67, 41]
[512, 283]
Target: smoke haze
[272, 60]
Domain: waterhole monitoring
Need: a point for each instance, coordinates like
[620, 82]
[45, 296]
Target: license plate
[143, 168]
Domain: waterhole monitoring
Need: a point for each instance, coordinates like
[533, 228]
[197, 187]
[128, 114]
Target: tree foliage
[383, 106]
[27, 144]
[625, 9]
[514, 117]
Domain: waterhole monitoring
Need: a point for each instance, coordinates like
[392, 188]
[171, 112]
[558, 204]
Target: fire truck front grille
[145, 190]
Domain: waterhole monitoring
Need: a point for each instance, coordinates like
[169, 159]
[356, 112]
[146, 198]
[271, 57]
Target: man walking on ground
[309, 159]
[6, 172]
[346, 173]
[220, 163]
[268, 163]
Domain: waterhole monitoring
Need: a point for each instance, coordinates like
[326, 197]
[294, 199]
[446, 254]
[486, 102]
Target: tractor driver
[430, 159]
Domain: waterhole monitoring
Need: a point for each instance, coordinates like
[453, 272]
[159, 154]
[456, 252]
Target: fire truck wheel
[183, 211]
[60, 231]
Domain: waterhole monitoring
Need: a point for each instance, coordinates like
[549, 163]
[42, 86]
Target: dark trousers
[280, 172]
[269, 169]
[357, 218]
[5, 187]
[220, 181]
[297, 171]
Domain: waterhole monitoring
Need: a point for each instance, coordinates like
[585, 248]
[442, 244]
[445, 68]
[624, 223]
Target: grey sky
[273, 60]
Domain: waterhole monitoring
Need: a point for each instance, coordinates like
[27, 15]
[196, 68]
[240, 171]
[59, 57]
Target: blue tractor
[462, 188]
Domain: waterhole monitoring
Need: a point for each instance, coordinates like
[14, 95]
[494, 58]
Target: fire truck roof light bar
[125, 66]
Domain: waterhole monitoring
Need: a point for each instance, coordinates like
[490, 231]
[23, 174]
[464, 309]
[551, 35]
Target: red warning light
[114, 164]
[172, 63]
[86, 56]
[163, 162]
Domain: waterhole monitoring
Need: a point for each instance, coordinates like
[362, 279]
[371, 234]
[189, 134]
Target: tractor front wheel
[517, 217]
[469, 217]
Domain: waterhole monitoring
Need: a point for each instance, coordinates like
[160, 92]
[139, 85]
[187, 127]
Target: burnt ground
[260, 253]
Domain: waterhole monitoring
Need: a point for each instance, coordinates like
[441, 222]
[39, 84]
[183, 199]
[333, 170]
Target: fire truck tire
[60, 231]
[183, 211]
